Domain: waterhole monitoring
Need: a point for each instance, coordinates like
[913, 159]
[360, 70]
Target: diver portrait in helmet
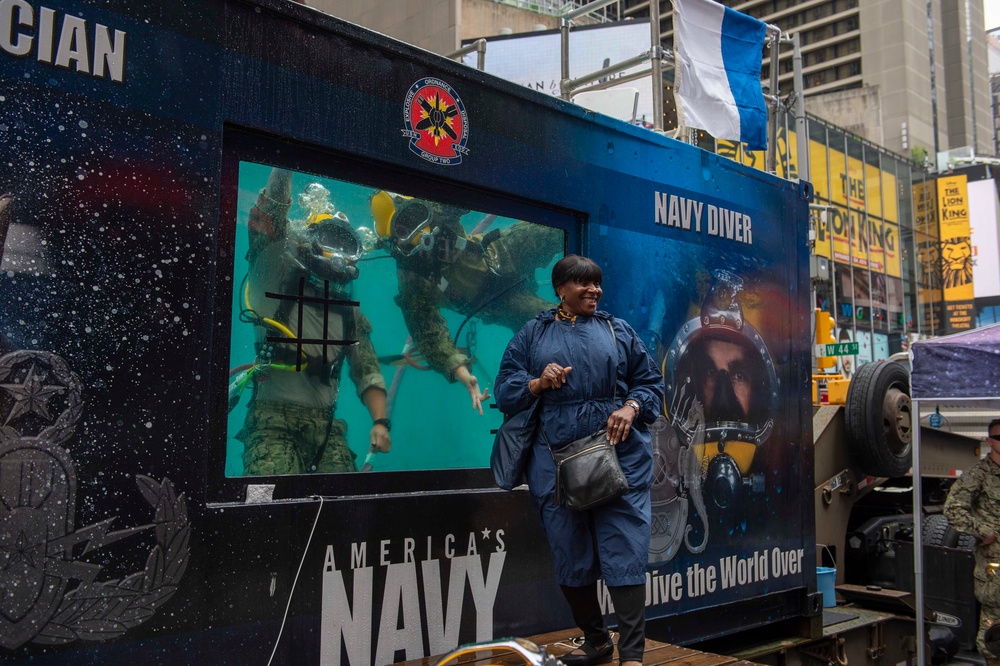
[721, 396]
[728, 377]
[484, 274]
[297, 296]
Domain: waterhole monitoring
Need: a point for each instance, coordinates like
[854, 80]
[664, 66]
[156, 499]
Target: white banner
[984, 218]
[532, 59]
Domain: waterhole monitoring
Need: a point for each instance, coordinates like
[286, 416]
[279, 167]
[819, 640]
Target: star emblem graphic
[20, 551]
[31, 395]
[486, 533]
[437, 117]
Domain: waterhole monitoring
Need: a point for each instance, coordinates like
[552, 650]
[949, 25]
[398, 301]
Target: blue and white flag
[718, 65]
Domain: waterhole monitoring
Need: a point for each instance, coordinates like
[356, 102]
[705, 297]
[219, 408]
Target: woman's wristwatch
[634, 404]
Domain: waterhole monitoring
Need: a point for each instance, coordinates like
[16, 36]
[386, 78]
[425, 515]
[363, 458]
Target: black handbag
[587, 473]
[513, 441]
[511, 447]
[587, 470]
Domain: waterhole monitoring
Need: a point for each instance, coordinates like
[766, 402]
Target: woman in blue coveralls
[587, 381]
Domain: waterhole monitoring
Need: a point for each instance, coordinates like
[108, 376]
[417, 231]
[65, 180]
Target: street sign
[838, 349]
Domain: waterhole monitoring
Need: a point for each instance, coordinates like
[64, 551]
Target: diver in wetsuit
[490, 276]
[290, 427]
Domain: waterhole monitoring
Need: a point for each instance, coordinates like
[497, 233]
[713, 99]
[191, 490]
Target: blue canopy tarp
[964, 366]
[960, 366]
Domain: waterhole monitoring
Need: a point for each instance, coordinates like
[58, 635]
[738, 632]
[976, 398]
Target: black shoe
[592, 655]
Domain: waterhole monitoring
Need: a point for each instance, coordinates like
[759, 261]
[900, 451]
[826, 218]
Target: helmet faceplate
[689, 365]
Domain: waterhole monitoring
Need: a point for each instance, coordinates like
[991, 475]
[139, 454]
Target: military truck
[166, 164]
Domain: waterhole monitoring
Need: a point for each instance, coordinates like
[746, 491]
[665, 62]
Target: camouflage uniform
[973, 507]
[282, 438]
[467, 285]
[288, 429]
[290, 426]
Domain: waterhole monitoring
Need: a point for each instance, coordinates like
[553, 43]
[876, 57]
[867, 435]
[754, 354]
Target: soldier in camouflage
[973, 507]
[290, 427]
[487, 275]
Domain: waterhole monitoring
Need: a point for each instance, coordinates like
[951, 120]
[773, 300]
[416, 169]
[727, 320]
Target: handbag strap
[614, 375]
[614, 366]
[614, 384]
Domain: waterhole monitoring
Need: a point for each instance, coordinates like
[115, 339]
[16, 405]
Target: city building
[993, 48]
[904, 74]
[442, 25]
[909, 75]
[880, 104]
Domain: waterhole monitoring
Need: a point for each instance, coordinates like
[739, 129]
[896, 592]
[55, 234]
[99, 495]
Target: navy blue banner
[130, 526]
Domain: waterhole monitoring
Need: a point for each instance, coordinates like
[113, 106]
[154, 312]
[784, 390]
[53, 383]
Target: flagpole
[565, 22]
[656, 55]
[801, 129]
[772, 109]
[564, 56]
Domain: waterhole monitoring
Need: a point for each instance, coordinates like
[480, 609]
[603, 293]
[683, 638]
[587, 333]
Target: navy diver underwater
[304, 336]
[485, 274]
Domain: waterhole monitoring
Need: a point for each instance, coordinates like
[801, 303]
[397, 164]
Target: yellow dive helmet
[400, 218]
[715, 358]
[332, 248]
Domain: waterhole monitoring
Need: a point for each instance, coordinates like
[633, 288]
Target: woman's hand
[620, 424]
[552, 377]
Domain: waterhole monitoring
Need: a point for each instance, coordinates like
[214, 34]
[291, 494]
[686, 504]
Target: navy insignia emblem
[48, 595]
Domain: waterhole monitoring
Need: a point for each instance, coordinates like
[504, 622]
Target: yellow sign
[784, 156]
[956, 245]
[862, 228]
[956, 252]
[925, 207]
[859, 234]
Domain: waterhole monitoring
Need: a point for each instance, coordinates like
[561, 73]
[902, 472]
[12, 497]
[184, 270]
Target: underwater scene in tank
[443, 289]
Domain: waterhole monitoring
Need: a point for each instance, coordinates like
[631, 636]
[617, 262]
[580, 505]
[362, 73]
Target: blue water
[433, 423]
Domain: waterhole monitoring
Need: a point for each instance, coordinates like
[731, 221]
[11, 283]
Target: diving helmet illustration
[719, 364]
[676, 485]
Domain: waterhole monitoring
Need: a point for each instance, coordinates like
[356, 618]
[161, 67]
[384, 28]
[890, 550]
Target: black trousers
[630, 609]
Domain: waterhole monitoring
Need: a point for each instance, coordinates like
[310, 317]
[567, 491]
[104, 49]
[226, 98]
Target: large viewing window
[352, 303]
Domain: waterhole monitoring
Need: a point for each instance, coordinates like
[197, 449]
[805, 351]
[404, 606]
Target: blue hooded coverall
[620, 530]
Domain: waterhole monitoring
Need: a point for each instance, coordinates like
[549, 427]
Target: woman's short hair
[574, 268]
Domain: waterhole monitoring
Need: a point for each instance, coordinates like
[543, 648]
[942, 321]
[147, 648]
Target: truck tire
[878, 419]
[937, 532]
[966, 542]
